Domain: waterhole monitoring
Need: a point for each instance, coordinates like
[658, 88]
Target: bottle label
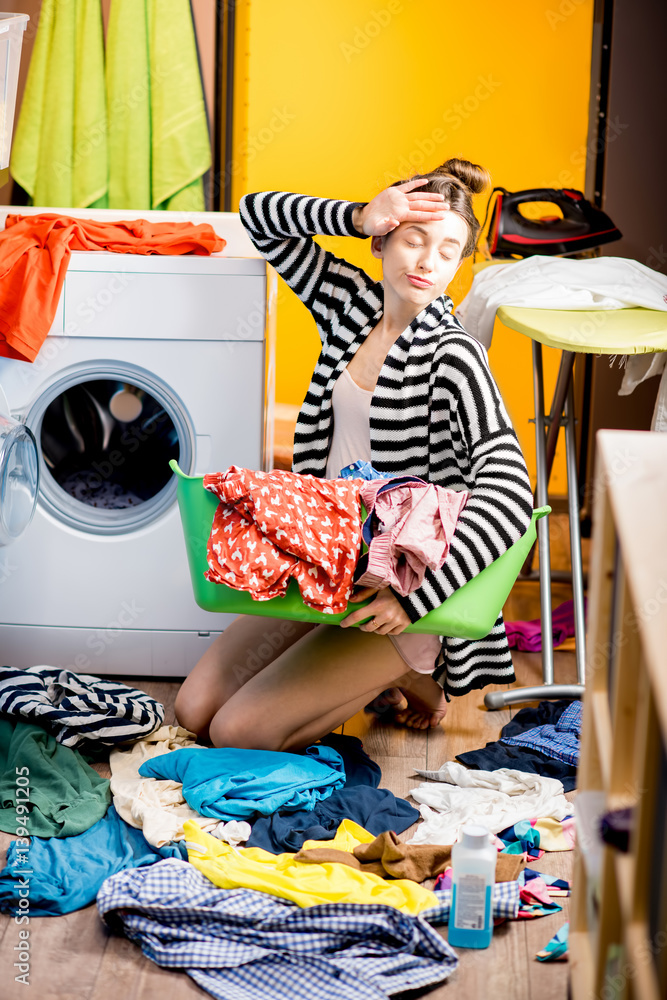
[470, 902]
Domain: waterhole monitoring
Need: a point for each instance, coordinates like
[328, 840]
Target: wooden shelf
[616, 944]
[625, 878]
[603, 733]
[582, 971]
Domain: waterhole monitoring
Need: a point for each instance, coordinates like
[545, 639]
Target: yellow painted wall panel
[342, 97]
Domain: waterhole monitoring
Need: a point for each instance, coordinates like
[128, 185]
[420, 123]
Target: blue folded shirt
[229, 783]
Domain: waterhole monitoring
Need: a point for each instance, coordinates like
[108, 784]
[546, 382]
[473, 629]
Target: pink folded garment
[415, 524]
[527, 636]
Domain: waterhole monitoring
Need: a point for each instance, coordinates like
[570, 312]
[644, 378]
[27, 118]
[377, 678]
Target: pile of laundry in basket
[324, 897]
[271, 526]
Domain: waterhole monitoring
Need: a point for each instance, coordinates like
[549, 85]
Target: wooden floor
[75, 958]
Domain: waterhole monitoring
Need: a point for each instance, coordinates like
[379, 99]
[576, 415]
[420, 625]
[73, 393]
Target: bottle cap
[474, 836]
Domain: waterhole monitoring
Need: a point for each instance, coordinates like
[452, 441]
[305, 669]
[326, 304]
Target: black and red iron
[581, 226]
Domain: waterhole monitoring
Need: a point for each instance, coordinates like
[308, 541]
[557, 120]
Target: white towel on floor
[494, 799]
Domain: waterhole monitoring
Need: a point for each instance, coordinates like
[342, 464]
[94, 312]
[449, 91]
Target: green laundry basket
[470, 613]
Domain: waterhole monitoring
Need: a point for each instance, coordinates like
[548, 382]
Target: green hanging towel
[59, 153]
[181, 147]
[158, 131]
[64, 795]
[129, 105]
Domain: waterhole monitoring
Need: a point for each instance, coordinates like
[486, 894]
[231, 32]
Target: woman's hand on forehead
[398, 204]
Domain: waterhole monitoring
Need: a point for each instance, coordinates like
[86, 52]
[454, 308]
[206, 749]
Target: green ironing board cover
[599, 331]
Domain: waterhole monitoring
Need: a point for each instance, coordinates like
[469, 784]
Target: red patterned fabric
[271, 526]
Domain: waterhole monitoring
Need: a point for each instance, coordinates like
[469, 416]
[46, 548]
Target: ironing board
[611, 332]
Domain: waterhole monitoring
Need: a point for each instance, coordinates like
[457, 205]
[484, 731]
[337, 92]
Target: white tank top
[351, 439]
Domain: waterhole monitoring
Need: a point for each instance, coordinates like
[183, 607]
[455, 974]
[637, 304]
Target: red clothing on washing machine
[271, 526]
[34, 254]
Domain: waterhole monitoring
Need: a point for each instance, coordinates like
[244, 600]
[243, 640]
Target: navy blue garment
[360, 769]
[496, 754]
[63, 874]
[376, 809]
[561, 740]
[546, 713]
[616, 827]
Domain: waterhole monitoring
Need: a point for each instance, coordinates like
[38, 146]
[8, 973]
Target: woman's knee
[231, 727]
[190, 715]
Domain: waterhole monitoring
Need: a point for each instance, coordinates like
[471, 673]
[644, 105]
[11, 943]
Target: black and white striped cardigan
[436, 411]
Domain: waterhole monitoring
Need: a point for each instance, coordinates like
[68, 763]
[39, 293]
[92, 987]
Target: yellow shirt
[303, 883]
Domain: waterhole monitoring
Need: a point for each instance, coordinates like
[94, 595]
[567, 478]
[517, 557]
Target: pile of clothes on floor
[323, 898]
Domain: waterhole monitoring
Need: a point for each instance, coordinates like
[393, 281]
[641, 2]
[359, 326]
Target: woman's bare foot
[387, 702]
[420, 703]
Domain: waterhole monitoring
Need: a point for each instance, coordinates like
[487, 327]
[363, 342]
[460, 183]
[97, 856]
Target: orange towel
[34, 254]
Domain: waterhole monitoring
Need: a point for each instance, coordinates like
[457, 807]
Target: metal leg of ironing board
[542, 494]
[575, 537]
[563, 382]
[499, 699]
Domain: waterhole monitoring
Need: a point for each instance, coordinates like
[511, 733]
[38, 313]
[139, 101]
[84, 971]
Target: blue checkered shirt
[239, 944]
[561, 740]
[505, 899]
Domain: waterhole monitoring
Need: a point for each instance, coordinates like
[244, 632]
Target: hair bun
[470, 175]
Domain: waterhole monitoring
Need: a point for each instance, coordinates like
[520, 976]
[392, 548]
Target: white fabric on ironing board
[541, 282]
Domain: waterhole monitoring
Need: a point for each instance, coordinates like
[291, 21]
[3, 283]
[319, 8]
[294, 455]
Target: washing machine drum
[19, 476]
[105, 445]
[108, 445]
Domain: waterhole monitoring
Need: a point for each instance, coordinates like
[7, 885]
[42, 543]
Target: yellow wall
[338, 98]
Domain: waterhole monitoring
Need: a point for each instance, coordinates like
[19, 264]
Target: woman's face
[419, 259]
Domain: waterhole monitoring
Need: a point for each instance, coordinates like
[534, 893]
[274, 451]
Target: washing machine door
[106, 431]
[19, 475]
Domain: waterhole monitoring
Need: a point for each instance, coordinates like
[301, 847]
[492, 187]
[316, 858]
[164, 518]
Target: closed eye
[444, 256]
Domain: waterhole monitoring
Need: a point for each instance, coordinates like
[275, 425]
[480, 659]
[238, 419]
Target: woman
[399, 383]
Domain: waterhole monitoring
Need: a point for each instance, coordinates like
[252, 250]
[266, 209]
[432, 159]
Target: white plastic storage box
[12, 27]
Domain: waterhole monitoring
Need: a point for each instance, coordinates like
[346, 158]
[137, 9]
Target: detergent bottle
[473, 878]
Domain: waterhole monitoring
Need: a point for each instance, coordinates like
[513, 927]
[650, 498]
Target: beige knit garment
[154, 806]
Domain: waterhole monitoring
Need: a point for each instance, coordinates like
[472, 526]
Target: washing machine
[149, 358]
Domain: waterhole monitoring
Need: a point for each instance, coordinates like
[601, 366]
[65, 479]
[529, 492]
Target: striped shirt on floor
[78, 709]
[436, 411]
